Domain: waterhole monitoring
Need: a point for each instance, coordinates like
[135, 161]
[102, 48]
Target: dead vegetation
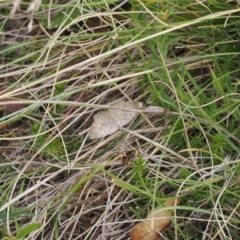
[78, 188]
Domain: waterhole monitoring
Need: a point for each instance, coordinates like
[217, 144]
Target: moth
[109, 121]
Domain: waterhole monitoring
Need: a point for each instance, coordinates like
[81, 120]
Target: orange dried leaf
[143, 231]
[2, 126]
[156, 222]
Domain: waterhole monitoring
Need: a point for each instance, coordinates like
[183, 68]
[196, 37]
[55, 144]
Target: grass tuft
[70, 60]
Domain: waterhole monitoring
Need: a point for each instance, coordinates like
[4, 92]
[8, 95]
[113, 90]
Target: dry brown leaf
[10, 108]
[156, 222]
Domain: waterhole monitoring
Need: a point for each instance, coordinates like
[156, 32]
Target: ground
[62, 63]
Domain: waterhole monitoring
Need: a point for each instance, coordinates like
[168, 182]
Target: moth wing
[102, 126]
[123, 117]
[108, 122]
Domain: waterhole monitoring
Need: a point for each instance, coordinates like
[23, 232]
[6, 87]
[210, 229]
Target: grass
[69, 60]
